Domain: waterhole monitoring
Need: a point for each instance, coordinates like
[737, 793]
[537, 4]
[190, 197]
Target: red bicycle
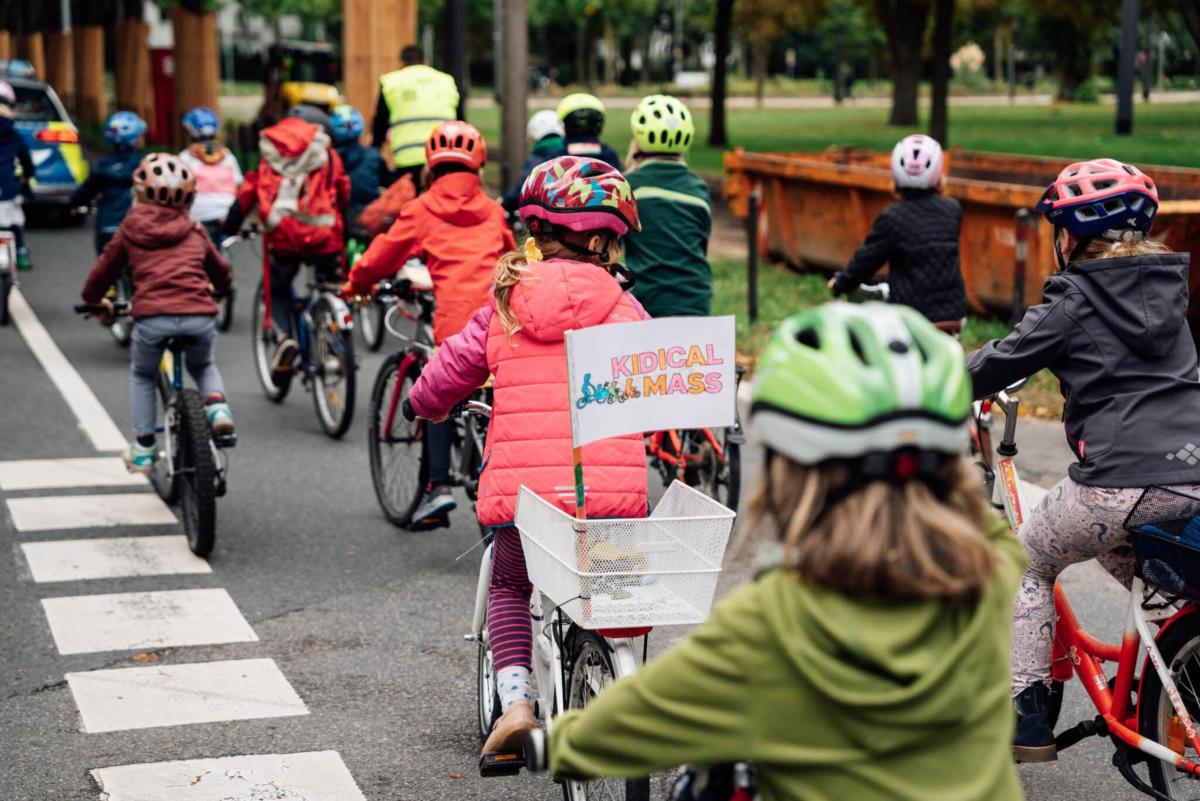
[1149, 714]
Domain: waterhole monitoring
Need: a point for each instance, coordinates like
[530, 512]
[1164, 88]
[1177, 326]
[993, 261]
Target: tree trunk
[998, 55]
[645, 76]
[943, 24]
[580, 48]
[759, 50]
[904, 21]
[1190, 11]
[835, 69]
[610, 52]
[1073, 58]
[197, 80]
[89, 72]
[59, 65]
[717, 135]
[31, 48]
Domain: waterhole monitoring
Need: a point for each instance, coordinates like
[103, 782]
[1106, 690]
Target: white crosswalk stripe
[140, 620]
[88, 511]
[312, 776]
[117, 699]
[111, 557]
[96, 471]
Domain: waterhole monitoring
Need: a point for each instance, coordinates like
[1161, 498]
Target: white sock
[513, 684]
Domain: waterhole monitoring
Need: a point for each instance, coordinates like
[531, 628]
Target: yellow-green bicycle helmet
[662, 124]
[582, 114]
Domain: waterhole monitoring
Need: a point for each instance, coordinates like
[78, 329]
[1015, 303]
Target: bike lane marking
[93, 419]
[111, 557]
[134, 621]
[49, 513]
[314, 776]
[38, 474]
[117, 699]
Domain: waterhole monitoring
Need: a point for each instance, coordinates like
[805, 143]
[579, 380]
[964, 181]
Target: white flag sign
[674, 372]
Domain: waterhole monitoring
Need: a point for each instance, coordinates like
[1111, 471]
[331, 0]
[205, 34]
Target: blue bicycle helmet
[347, 124]
[201, 124]
[123, 129]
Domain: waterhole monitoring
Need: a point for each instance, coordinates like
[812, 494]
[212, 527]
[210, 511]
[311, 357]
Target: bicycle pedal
[227, 441]
[431, 523]
[501, 763]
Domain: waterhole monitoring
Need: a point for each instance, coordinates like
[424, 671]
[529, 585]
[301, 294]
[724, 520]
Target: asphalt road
[363, 622]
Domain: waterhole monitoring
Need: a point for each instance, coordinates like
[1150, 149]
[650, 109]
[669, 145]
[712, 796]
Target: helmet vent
[857, 346]
[809, 338]
[1107, 183]
[897, 346]
[1114, 205]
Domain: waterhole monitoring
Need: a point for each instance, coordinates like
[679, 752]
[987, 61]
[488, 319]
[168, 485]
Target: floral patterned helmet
[579, 194]
[164, 179]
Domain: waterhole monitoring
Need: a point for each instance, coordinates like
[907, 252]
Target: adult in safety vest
[413, 100]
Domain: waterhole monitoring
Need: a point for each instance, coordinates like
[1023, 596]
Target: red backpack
[315, 225]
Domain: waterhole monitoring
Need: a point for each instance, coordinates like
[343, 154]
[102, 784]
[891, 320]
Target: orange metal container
[816, 208]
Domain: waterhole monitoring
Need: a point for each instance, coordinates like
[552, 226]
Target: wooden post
[60, 61]
[5, 45]
[373, 31]
[31, 48]
[133, 68]
[89, 73]
[197, 62]
[514, 85]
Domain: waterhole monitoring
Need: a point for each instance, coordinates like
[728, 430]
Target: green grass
[1164, 134]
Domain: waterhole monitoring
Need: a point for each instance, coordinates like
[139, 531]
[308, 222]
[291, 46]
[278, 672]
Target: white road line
[96, 471]
[128, 621]
[174, 695]
[111, 557]
[88, 511]
[93, 419]
[312, 776]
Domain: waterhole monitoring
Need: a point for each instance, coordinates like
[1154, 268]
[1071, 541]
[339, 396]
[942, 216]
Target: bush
[1086, 92]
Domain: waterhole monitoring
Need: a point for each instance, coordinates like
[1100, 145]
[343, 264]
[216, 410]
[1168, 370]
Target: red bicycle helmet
[1089, 198]
[164, 179]
[579, 194]
[456, 142]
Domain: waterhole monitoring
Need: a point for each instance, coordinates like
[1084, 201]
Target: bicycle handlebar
[119, 308]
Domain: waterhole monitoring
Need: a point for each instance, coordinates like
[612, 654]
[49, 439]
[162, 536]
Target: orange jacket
[459, 232]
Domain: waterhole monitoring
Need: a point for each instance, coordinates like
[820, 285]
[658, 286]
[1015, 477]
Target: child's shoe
[1033, 740]
[140, 458]
[221, 420]
[23, 262]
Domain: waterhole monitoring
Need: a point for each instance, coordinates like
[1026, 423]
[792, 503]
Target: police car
[50, 134]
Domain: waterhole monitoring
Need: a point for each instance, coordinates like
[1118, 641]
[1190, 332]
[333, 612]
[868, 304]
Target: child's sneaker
[140, 458]
[23, 262]
[221, 420]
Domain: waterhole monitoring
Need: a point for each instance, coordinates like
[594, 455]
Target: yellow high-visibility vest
[418, 98]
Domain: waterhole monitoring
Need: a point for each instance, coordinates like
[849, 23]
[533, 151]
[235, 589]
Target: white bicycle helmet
[917, 162]
[7, 95]
[542, 124]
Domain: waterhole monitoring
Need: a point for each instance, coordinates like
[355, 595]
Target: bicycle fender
[341, 310]
[1147, 667]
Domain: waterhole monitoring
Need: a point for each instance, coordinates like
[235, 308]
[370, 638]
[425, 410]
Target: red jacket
[171, 261]
[459, 232]
[529, 437]
[300, 188]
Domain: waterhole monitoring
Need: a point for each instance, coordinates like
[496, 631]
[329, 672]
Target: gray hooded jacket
[1114, 332]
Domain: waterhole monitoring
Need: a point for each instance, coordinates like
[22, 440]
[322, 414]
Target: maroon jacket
[171, 260]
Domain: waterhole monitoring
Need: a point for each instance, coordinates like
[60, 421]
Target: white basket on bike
[621, 573]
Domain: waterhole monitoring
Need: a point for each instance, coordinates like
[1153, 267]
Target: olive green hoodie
[832, 698]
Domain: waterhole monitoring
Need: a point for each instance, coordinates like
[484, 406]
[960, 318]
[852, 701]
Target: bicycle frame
[656, 448]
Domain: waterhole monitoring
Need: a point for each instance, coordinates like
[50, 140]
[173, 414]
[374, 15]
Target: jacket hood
[1142, 299]
[557, 296]
[291, 136]
[458, 198]
[153, 227]
[902, 670]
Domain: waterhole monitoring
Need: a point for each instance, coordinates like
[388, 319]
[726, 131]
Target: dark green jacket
[669, 256]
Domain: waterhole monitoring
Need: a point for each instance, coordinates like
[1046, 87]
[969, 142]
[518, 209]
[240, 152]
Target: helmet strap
[897, 467]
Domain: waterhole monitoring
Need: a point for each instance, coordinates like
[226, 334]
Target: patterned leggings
[509, 627]
[1072, 524]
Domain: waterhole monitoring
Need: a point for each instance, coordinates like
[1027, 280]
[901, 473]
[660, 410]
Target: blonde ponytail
[1131, 243]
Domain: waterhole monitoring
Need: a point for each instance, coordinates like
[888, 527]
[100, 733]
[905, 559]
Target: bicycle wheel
[1180, 648]
[716, 474]
[263, 344]
[122, 327]
[370, 321]
[225, 310]
[591, 670]
[333, 379]
[487, 695]
[165, 475]
[197, 474]
[398, 467]
[6, 283]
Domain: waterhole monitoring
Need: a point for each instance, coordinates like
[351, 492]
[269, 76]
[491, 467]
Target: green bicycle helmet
[662, 124]
[842, 381]
[582, 114]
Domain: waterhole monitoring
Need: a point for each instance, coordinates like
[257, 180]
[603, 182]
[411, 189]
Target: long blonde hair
[512, 267]
[892, 541]
[1131, 243]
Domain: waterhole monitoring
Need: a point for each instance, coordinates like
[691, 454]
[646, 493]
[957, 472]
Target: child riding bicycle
[917, 238]
[460, 233]
[15, 187]
[582, 116]
[172, 262]
[110, 181]
[218, 175]
[577, 210]
[1112, 327]
[868, 664]
[544, 133]
[669, 258]
[363, 165]
[299, 191]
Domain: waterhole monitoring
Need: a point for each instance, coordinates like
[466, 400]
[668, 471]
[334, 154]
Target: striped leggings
[509, 626]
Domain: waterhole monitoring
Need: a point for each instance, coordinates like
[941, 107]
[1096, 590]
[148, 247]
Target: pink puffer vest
[529, 439]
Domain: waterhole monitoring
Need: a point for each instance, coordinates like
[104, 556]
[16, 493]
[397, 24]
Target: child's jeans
[150, 335]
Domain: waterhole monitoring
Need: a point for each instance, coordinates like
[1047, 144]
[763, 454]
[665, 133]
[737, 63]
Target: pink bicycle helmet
[8, 95]
[164, 179]
[1092, 198]
[917, 162]
[579, 194]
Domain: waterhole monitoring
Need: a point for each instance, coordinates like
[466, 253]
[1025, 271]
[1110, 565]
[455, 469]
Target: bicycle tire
[333, 401]
[225, 310]
[6, 283]
[370, 318]
[165, 476]
[197, 475]
[122, 328]
[398, 487]
[1179, 643]
[262, 345]
[588, 650]
[487, 694]
[720, 478]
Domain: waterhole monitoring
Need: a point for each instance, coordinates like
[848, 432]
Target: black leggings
[283, 272]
